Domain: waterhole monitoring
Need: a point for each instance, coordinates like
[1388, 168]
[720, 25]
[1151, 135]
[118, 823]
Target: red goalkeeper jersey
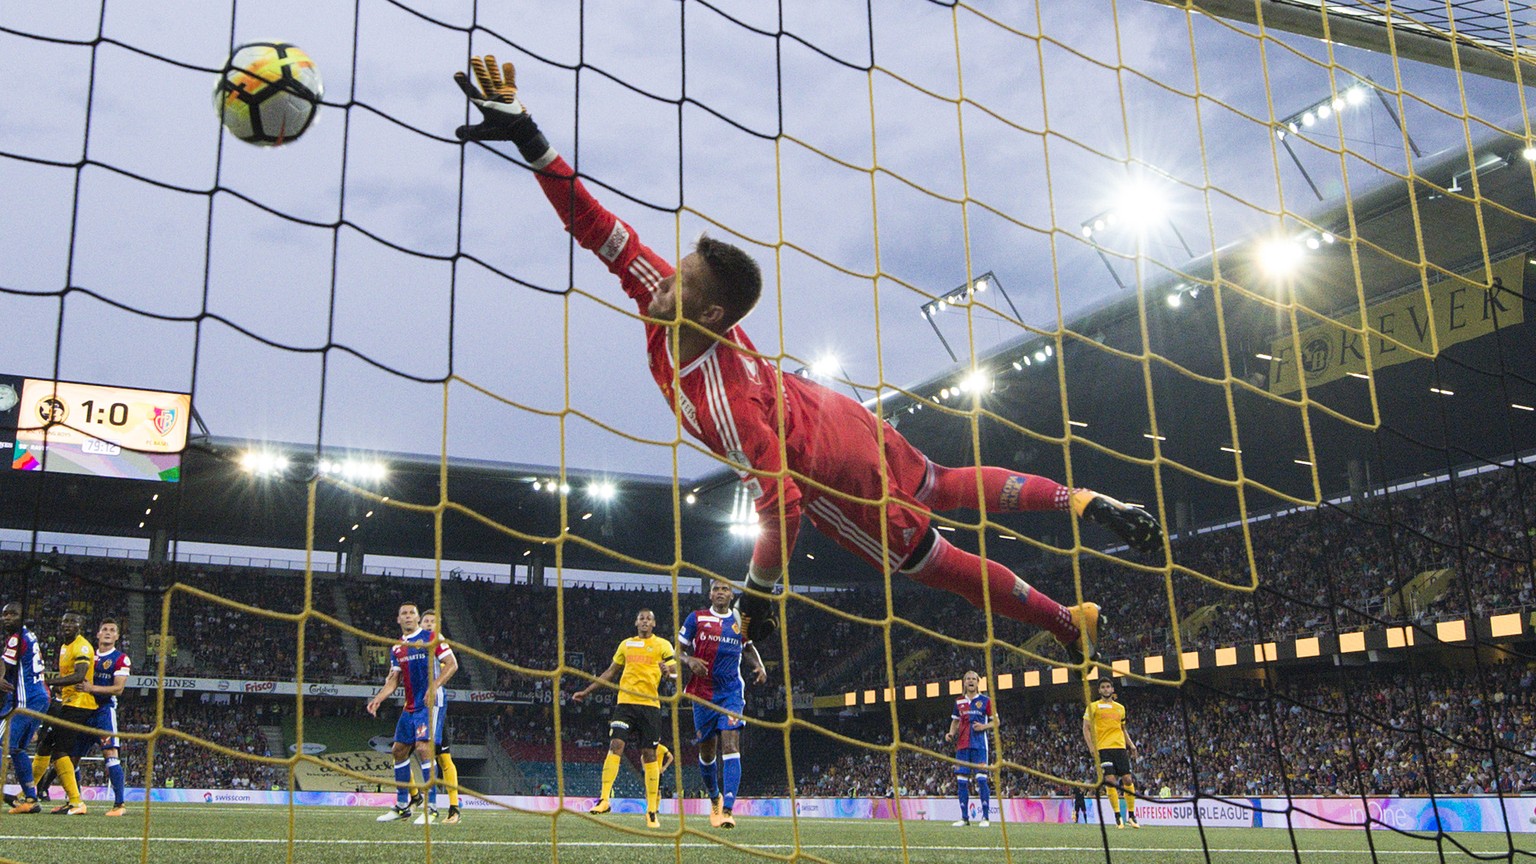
[729, 399]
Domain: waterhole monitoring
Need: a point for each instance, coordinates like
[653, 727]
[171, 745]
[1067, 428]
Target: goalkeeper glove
[505, 117]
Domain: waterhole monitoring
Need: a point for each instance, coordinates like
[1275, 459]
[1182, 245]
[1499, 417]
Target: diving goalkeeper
[773, 428]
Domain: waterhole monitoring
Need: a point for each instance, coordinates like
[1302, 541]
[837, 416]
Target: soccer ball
[268, 93]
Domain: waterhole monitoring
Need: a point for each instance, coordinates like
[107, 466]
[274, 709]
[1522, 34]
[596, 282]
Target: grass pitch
[212, 834]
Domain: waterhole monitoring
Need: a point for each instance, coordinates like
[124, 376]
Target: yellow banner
[379, 767]
[1400, 329]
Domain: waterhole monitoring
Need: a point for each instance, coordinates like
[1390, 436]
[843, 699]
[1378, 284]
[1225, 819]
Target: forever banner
[1400, 329]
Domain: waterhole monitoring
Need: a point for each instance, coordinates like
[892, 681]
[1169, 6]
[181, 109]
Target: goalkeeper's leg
[938, 563]
[1002, 490]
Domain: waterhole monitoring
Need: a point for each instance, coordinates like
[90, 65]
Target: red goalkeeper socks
[953, 569]
[1002, 490]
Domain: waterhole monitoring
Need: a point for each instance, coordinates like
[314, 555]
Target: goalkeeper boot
[1133, 525]
[417, 799]
[602, 806]
[453, 815]
[759, 618]
[652, 819]
[1087, 617]
[395, 814]
[427, 815]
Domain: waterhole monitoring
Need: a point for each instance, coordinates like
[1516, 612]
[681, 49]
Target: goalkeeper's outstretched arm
[593, 226]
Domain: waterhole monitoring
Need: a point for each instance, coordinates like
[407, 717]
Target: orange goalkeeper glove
[505, 117]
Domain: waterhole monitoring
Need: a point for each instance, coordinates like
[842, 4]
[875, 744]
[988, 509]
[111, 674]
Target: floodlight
[976, 382]
[1279, 257]
[1140, 205]
[1529, 154]
[1175, 300]
[826, 366]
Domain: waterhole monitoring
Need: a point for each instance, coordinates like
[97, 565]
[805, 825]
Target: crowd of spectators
[1334, 568]
[1377, 732]
[180, 763]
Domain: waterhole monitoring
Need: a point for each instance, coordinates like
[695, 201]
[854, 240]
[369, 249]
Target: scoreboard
[73, 428]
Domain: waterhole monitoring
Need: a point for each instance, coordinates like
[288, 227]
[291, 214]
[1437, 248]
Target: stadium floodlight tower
[965, 293]
[1138, 208]
[1353, 95]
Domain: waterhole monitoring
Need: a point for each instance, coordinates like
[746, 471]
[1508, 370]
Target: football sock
[42, 769]
[403, 778]
[426, 780]
[67, 779]
[1114, 799]
[730, 777]
[707, 771]
[652, 786]
[611, 765]
[953, 569]
[983, 788]
[450, 774]
[1130, 799]
[115, 775]
[963, 791]
[24, 776]
[1002, 490]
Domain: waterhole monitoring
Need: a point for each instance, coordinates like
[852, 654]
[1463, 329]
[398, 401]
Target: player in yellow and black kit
[644, 658]
[1104, 730]
[69, 703]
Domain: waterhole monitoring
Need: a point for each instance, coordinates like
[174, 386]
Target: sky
[141, 246]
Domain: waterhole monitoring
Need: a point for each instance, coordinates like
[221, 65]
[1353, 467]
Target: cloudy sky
[318, 292]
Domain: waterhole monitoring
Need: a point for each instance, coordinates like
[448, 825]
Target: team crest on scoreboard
[164, 420]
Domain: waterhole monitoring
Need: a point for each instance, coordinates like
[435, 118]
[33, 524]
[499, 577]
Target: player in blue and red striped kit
[410, 667]
[23, 688]
[712, 643]
[109, 675]
[800, 448]
[970, 727]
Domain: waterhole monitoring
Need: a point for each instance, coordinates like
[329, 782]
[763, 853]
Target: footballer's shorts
[415, 726]
[1115, 762]
[974, 758]
[847, 456]
[60, 741]
[641, 721]
[709, 721]
[103, 719]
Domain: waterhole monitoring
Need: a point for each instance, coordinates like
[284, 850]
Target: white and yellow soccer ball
[268, 93]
